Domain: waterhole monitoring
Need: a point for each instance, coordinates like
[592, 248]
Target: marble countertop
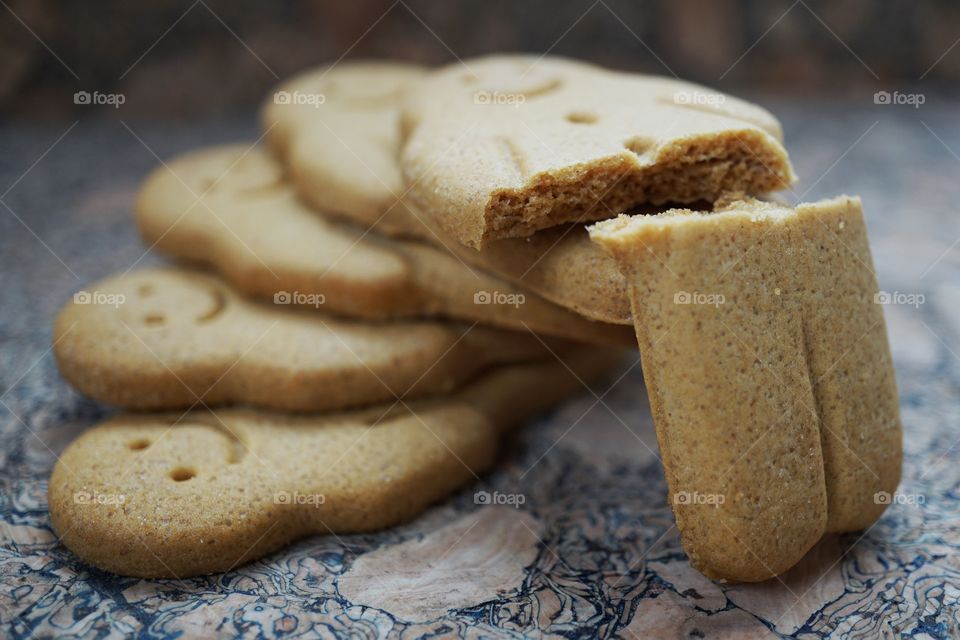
[592, 551]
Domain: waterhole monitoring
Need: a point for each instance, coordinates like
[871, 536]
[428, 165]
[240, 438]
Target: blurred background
[191, 58]
[93, 96]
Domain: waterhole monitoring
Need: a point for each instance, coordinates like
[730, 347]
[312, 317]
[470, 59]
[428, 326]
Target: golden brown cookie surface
[337, 128]
[229, 207]
[181, 495]
[769, 375]
[169, 338]
[505, 145]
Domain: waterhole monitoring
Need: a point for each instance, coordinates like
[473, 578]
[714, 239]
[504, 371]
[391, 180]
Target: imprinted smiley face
[152, 301]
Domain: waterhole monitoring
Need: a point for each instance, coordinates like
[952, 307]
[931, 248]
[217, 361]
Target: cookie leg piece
[724, 363]
[769, 375]
[850, 365]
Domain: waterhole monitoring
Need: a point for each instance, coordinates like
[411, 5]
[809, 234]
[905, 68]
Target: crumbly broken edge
[701, 170]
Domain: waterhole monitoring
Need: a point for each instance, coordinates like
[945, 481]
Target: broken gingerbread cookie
[506, 145]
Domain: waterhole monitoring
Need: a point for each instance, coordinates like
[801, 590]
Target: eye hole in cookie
[154, 319]
[138, 445]
[468, 78]
[145, 290]
[182, 474]
[581, 117]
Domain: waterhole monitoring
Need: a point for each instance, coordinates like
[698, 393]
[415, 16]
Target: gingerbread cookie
[172, 496]
[166, 338]
[230, 207]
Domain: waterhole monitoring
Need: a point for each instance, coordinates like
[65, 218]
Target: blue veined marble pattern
[592, 550]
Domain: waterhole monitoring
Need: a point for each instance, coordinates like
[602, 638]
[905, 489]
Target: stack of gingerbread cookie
[410, 267]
